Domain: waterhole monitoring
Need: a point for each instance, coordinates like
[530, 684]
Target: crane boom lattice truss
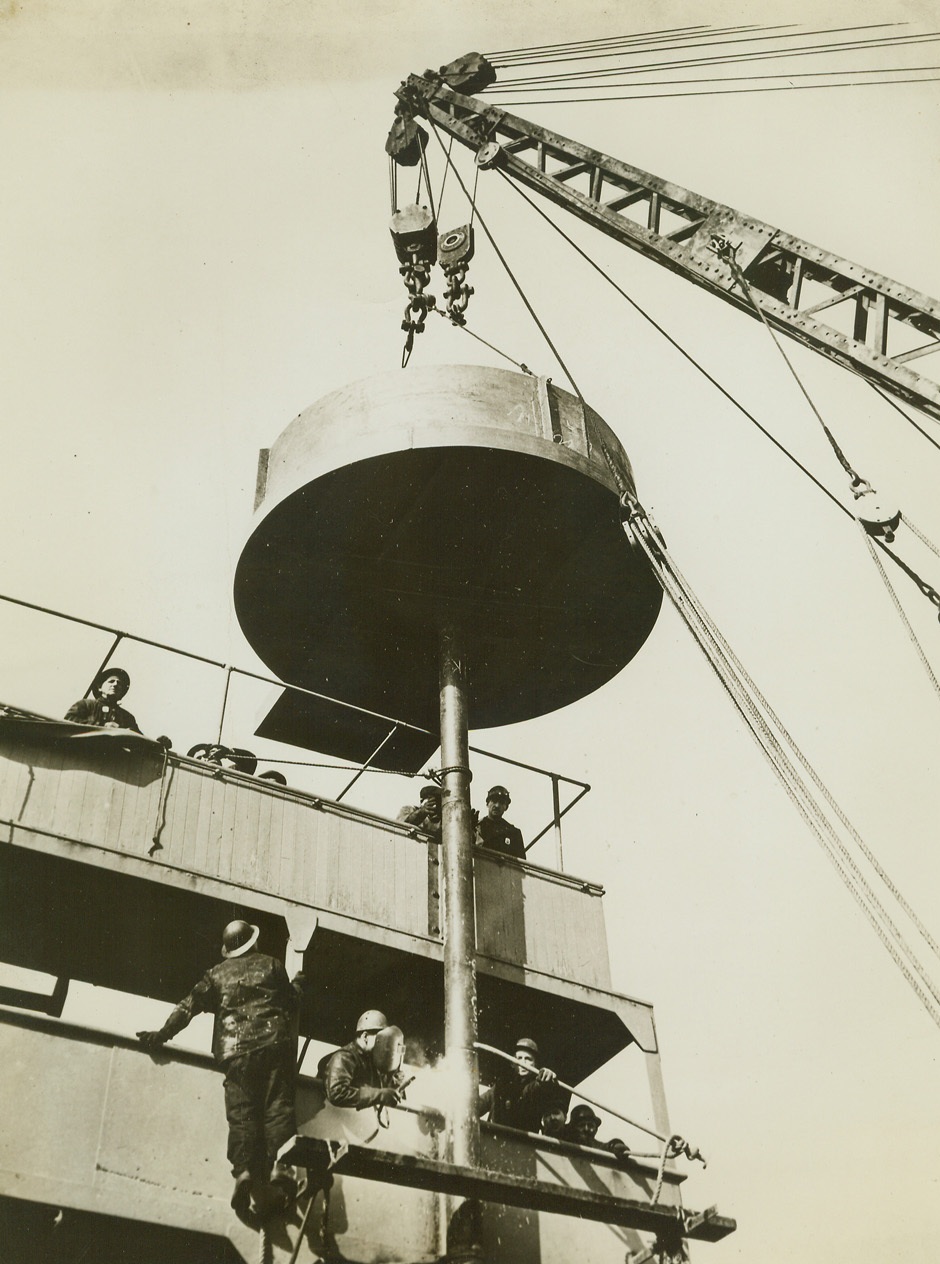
[800, 288]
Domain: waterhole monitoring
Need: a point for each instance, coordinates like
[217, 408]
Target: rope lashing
[675, 1146]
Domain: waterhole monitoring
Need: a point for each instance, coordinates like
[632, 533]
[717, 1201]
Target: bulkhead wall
[448, 495]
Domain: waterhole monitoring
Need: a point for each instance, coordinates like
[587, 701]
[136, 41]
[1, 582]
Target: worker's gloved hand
[150, 1040]
[387, 1097]
[546, 1076]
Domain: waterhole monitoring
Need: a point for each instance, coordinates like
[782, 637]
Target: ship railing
[559, 784]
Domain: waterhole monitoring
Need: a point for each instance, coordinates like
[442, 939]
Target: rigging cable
[922, 586]
[771, 735]
[751, 714]
[523, 367]
[721, 92]
[677, 346]
[712, 41]
[858, 485]
[725, 59]
[677, 32]
[509, 272]
[907, 417]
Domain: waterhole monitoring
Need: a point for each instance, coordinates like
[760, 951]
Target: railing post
[556, 821]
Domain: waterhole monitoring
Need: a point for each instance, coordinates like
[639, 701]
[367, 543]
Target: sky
[195, 247]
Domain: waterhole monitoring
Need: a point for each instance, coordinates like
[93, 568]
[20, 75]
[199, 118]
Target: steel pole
[460, 981]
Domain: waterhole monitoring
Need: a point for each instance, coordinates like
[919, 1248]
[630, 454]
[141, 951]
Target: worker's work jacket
[254, 1002]
[518, 1101]
[350, 1077]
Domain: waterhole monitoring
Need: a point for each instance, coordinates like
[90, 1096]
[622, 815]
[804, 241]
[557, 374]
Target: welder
[354, 1076]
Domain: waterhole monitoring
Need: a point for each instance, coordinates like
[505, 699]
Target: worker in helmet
[255, 1040]
[350, 1075]
[581, 1129]
[102, 709]
[494, 832]
[523, 1095]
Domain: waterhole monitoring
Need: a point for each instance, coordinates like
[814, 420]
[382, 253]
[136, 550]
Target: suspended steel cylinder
[445, 496]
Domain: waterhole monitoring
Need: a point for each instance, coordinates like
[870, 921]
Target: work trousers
[259, 1105]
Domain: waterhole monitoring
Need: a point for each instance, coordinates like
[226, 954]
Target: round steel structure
[450, 496]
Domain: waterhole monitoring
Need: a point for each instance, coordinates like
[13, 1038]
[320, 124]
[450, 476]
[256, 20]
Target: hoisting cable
[924, 588]
[899, 609]
[677, 346]
[440, 196]
[755, 693]
[723, 248]
[907, 417]
[423, 171]
[509, 272]
[711, 39]
[744, 693]
[809, 811]
[858, 486]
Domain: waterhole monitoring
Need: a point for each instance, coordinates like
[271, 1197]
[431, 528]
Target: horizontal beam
[417, 1172]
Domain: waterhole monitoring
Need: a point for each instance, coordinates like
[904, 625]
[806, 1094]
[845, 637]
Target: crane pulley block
[455, 248]
[414, 232]
[469, 74]
[406, 141]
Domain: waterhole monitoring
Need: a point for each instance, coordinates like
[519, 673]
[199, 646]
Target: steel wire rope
[721, 92]
[567, 45]
[754, 690]
[820, 785]
[899, 610]
[857, 482]
[809, 814]
[907, 417]
[440, 196]
[794, 787]
[920, 535]
[510, 274]
[714, 381]
[780, 74]
[677, 346]
[769, 722]
[730, 257]
[587, 50]
[725, 59]
[467, 330]
[751, 39]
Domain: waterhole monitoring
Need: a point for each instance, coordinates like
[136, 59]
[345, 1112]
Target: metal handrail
[395, 724]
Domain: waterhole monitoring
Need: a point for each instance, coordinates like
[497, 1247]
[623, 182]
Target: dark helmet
[238, 937]
[498, 792]
[119, 672]
[371, 1020]
[583, 1114]
[430, 792]
[527, 1043]
[273, 775]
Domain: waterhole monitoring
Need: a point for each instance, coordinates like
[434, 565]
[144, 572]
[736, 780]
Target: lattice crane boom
[860, 319]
